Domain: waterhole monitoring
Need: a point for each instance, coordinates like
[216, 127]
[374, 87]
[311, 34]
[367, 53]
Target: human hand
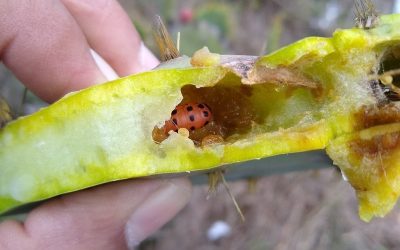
[47, 46]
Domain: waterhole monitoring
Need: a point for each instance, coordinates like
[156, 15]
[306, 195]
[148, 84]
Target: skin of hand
[47, 45]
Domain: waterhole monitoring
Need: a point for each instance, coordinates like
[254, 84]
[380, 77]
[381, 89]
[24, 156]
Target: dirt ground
[300, 210]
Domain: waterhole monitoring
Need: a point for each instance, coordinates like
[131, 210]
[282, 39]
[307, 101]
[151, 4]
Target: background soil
[300, 210]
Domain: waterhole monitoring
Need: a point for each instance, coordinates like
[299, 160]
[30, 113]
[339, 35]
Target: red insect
[190, 116]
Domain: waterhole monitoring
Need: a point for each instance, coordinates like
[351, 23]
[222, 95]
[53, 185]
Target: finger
[154, 212]
[45, 48]
[110, 33]
[95, 218]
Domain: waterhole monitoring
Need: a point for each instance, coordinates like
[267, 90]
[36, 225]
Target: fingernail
[162, 205]
[104, 67]
[146, 59]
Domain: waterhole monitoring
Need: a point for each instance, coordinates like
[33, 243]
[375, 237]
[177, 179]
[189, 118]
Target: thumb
[111, 216]
[158, 208]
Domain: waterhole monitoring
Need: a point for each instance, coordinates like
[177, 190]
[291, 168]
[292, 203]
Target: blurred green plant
[211, 27]
[218, 15]
[275, 35]
[192, 40]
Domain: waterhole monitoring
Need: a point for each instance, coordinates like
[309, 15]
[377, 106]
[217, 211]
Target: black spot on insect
[205, 123]
[175, 121]
[189, 108]
[205, 113]
[191, 117]
[207, 106]
[200, 106]
[174, 112]
[192, 128]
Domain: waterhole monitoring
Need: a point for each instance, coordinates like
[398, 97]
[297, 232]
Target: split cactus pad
[338, 94]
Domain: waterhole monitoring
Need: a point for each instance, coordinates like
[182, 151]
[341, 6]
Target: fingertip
[110, 32]
[160, 207]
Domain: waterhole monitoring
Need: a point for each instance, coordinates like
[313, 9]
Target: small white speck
[218, 230]
[344, 176]
[396, 7]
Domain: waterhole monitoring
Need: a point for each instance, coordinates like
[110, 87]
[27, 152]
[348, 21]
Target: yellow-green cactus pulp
[313, 94]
